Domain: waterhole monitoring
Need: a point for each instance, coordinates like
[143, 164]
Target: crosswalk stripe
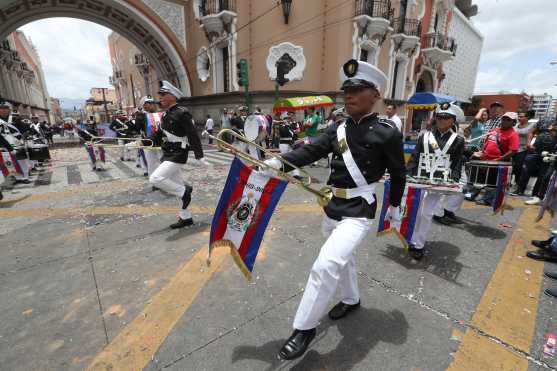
[44, 178]
[124, 169]
[221, 156]
[59, 177]
[104, 175]
[73, 174]
[87, 174]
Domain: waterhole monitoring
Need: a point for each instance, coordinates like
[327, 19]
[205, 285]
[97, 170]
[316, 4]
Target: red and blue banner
[153, 122]
[411, 206]
[502, 181]
[246, 205]
[91, 152]
[9, 164]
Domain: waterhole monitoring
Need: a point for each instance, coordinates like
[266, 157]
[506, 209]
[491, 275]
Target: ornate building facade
[22, 78]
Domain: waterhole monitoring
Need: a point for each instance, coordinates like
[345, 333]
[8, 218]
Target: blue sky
[519, 43]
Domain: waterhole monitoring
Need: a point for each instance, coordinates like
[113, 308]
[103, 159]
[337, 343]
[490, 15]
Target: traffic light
[242, 70]
[284, 65]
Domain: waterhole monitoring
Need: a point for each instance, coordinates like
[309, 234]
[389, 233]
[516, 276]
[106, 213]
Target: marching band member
[363, 147]
[94, 152]
[121, 128]
[14, 131]
[152, 155]
[287, 137]
[440, 141]
[179, 135]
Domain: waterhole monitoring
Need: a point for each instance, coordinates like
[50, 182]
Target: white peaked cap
[167, 87]
[451, 109]
[358, 73]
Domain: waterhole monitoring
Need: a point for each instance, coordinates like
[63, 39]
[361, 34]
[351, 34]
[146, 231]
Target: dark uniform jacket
[455, 153]
[178, 121]
[89, 132]
[123, 129]
[287, 135]
[4, 144]
[376, 145]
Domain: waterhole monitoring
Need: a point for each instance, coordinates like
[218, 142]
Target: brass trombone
[324, 195]
[96, 141]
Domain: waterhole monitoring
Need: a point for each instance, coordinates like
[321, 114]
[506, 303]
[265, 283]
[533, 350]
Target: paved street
[92, 277]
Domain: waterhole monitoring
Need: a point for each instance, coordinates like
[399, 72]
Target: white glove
[394, 214]
[204, 162]
[273, 163]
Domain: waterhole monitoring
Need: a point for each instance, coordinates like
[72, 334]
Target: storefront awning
[301, 103]
[427, 101]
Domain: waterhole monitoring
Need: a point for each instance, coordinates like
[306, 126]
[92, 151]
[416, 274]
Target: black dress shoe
[297, 344]
[342, 309]
[483, 203]
[23, 181]
[186, 197]
[442, 220]
[181, 223]
[545, 255]
[551, 292]
[542, 244]
[451, 217]
[415, 253]
[552, 275]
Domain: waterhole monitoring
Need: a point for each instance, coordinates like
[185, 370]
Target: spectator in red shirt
[500, 145]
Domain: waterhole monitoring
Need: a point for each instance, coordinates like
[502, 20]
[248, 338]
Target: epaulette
[387, 122]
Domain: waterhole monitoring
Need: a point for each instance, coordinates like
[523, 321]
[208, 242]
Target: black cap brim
[357, 83]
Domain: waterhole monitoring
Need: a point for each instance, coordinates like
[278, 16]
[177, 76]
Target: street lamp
[286, 5]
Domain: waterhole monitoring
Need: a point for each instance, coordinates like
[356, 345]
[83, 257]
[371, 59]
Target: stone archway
[132, 19]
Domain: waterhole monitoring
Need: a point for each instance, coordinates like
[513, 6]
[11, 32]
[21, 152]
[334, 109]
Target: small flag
[502, 180]
[153, 122]
[410, 206]
[243, 213]
[9, 164]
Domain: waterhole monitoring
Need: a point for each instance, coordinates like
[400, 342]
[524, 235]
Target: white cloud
[519, 43]
[74, 55]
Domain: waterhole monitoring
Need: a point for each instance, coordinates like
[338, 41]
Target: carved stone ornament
[295, 52]
[203, 64]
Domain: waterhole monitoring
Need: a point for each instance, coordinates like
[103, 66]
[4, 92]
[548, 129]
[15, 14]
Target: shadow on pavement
[10, 203]
[360, 332]
[480, 230]
[439, 260]
[185, 232]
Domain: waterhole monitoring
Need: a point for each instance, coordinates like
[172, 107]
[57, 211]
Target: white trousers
[168, 178]
[425, 214]
[334, 266]
[152, 156]
[450, 203]
[124, 151]
[25, 165]
[141, 160]
[285, 148]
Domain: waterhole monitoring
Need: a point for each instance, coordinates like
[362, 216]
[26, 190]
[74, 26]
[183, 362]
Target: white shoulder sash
[353, 169]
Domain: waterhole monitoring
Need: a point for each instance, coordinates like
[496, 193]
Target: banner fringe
[235, 256]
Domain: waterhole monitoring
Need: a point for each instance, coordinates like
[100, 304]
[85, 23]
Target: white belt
[366, 192]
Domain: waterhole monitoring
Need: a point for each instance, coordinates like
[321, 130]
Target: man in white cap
[152, 155]
[362, 148]
[178, 136]
[440, 141]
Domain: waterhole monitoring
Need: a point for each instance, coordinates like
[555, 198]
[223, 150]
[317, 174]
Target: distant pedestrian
[391, 114]
[209, 127]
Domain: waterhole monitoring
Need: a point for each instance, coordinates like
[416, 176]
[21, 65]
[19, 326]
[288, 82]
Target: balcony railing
[436, 40]
[375, 8]
[209, 7]
[407, 26]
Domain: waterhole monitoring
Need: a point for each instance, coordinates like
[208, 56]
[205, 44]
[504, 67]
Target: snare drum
[485, 173]
[38, 152]
[255, 128]
[20, 153]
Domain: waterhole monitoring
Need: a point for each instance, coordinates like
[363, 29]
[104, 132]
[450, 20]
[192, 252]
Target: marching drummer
[14, 130]
[287, 136]
[120, 126]
[363, 147]
[440, 142]
[95, 152]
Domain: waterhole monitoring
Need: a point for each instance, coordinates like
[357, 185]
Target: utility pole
[105, 106]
